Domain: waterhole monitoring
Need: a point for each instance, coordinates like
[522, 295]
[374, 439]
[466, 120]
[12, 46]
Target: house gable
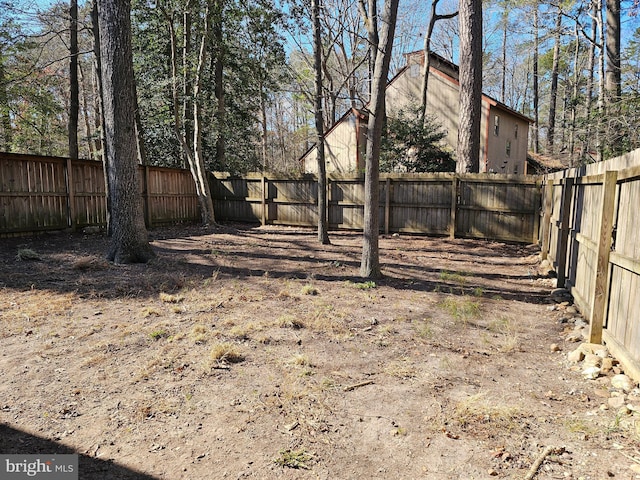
[502, 151]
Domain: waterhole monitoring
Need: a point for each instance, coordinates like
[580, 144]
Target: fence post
[454, 206]
[145, 195]
[71, 196]
[263, 220]
[601, 288]
[546, 218]
[328, 206]
[387, 205]
[563, 234]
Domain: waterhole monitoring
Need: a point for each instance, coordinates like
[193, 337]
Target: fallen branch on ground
[357, 385]
[536, 465]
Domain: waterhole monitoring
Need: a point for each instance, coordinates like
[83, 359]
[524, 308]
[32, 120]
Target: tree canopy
[256, 99]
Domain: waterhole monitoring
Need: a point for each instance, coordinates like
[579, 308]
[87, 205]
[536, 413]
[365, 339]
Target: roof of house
[544, 163]
[451, 70]
[446, 67]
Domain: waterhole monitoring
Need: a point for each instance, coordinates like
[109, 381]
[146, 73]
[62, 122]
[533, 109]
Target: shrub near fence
[499, 207]
[53, 193]
[590, 234]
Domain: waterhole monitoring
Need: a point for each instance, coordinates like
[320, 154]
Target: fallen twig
[357, 385]
[633, 459]
[536, 465]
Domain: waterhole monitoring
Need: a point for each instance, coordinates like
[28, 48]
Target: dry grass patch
[226, 352]
[37, 305]
[150, 312]
[199, 334]
[402, 368]
[300, 359]
[480, 413]
[309, 290]
[289, 321]
[168, 298]
[90, 264]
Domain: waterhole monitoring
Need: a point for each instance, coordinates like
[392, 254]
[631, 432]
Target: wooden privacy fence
[53, 193]
[590, 234]
[499, 207]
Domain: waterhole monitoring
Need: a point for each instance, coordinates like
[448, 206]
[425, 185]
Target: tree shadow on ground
[13, 441]
[190, 254]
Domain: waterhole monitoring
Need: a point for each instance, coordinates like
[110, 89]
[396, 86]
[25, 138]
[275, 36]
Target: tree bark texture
[129, 240]
[370, 264]
[7, 131]
[74, 89]
[219, 61]
[553, 92]
[536, 88]
[323, 232]
[470, 24]
[427, 55]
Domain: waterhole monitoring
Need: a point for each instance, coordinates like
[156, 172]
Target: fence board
[52, 193]
[607, 285]
[501, 207]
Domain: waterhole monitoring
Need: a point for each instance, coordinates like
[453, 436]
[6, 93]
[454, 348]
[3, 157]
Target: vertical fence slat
[453, 207]
[601, 289]
[546, 218]
[563, 240]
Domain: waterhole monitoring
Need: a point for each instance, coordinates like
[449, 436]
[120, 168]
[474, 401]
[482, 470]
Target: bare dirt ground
[258, 353]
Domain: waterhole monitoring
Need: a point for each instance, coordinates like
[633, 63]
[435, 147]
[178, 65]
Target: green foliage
[409, 145]
[252, 57]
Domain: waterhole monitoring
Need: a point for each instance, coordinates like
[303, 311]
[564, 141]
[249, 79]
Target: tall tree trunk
[5, 111]
[613, 84]
[370, 264]
[100, 118]
[187, 102]
[503, 73]
[427, 55]
[468, 151]
[263, 123]
[179, 128]
[219, 61]
[573, 105]
[553, 95]
[369, 13]
[74, 90]
[323, 233]
[601, 87]
[129, 241]
[586, 144]
[536, 88]
[85, 114]
[197, 164]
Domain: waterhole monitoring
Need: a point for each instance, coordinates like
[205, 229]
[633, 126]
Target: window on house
[508, 151]
[496, 125]
[515, 131]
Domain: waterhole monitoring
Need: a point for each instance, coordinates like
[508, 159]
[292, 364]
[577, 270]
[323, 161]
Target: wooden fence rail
[53, 193]
[499, 207]
[590, 234]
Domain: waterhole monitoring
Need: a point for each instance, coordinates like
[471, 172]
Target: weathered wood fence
[500, 207]
[52, 193]
[591, 235]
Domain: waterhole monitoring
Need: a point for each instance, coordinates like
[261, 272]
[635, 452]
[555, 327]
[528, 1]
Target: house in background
[504, 132]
